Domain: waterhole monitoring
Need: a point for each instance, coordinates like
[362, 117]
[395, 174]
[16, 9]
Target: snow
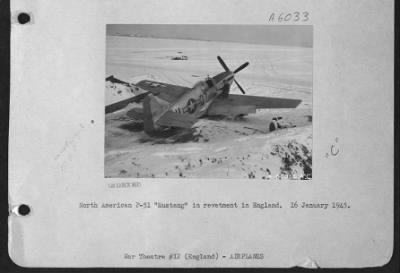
[213, 148]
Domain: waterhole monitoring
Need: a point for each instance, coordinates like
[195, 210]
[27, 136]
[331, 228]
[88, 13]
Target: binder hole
[24, 210]
[23, 18]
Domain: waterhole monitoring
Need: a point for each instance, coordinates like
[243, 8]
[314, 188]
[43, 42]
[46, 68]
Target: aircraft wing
[172, 119]
[259, 102]
[165, 91]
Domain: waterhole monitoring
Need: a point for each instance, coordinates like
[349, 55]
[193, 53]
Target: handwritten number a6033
[295, 16]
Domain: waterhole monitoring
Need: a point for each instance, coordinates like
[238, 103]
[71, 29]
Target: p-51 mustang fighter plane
[167, 105]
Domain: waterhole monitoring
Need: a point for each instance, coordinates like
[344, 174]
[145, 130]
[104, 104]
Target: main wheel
[273, 126]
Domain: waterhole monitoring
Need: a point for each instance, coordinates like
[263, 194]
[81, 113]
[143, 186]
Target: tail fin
[148, 116]
[153, 109]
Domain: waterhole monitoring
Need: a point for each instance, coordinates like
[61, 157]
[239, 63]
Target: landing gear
[279, 123]
[225, 91]
[273, 125]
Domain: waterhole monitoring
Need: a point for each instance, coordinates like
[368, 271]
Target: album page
[201, 133]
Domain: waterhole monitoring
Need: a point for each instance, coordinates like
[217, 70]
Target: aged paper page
[201, 133]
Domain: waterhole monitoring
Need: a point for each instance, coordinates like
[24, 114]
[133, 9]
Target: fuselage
[197, 101]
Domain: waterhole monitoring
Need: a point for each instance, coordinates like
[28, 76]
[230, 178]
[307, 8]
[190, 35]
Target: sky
[285, 35]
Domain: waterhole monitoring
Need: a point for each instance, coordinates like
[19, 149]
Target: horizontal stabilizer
[122, 104]
[136, 113]
[172, 119]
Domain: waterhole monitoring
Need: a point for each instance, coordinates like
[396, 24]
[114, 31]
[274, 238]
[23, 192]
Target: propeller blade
[241, 67]
[241, 88]
[223, 64]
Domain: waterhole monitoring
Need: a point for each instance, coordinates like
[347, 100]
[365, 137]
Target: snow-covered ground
[213, 148]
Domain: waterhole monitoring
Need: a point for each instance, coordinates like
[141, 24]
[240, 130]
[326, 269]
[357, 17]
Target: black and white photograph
[209, 101]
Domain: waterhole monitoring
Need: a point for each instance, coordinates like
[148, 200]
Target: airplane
[166, 105]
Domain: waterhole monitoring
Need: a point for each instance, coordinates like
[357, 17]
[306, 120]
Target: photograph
[208, 101]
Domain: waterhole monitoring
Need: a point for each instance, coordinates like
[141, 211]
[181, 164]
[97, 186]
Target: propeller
[241, 67]
[240, 87]
[223, 64]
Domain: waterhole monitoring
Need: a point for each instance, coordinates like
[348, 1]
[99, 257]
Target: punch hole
[24, 210]
[23, 18]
